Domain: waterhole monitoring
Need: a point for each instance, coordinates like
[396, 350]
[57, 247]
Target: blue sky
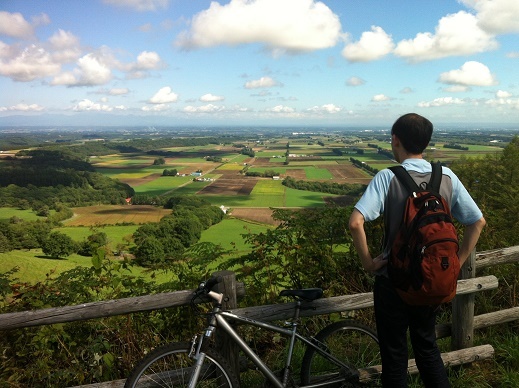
[259, 62]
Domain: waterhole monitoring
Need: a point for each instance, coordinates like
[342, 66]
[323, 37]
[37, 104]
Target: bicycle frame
[219, 319]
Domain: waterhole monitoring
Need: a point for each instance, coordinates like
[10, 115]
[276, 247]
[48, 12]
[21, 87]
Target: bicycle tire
[351, 342]
[170, 366]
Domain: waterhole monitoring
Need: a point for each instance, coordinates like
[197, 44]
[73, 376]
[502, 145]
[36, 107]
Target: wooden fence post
[462, 335]
[229, 349]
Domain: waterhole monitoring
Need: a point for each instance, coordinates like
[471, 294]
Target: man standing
[385, 196]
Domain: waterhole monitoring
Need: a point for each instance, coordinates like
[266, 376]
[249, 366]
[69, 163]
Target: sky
[259, 62]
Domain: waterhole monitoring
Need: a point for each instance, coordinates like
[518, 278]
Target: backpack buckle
[445, 263]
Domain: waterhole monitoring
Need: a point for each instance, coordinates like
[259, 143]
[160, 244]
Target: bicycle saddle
[306, 294]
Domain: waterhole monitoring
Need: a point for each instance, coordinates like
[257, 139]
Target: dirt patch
[134, 182]
[296, 173]
[347, 173]
[261, 215]
[116, 214]
[226, 185]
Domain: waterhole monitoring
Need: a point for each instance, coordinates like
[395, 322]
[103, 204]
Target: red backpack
[424, 264]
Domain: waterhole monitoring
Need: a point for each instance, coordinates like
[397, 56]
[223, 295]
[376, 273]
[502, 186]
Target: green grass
[228, 234]
[33, 265]
[115, 233]
[302, 198]
[7, 212]
[162, 185]
[317, 173]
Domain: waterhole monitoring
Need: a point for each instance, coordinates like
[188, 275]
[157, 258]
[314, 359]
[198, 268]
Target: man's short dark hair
[413, 131]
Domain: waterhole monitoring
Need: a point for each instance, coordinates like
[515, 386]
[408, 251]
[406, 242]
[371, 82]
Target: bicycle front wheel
[353, 343]
[171, 366]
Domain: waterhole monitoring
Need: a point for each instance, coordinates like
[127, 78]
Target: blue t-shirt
[371, 204]
[375, 198]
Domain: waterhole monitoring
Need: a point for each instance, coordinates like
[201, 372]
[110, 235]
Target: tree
[92, 243]
[5, 245]
[150, 252]
[159, 161]
[59, 245]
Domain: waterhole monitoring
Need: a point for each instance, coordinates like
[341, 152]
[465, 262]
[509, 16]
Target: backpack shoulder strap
[436, 177]
[404, 178]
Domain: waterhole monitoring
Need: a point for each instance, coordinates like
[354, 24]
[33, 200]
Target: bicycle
[332, 358]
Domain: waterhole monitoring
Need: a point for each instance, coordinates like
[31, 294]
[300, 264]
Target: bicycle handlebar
[208, 284]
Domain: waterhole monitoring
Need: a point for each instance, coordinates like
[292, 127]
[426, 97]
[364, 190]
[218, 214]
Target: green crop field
[162, 185]
[317, 173]
[302, 198]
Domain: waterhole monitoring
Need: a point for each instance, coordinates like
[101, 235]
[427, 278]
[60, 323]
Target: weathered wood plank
[180, 298]
[497, 256]
[348, 302]
[99, 309]
[462, 335]
[457, 357]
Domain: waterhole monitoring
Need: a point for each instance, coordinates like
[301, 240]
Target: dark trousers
[394, 318]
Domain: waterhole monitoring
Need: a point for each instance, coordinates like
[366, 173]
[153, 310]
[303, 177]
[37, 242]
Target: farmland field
[116, 214]
[115, 233]
[29, 215]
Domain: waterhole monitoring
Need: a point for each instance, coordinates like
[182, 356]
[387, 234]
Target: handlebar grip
[211, 282]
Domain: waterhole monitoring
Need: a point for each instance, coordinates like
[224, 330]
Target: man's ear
[395, 140]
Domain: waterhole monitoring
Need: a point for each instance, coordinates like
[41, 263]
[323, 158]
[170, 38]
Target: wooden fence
[461, 329]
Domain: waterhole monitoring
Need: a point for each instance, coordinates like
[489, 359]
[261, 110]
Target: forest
[51, 180]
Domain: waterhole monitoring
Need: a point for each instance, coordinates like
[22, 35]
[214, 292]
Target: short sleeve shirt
[384, 195]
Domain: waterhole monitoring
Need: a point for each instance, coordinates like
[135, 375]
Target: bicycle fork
[198, 354]
[199, 358]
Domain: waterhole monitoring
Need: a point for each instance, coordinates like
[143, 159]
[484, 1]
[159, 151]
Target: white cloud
[470, 74]
[209, 108]
[65, 47]
[31, 63]
[503, 102]
[372, 45]
[23, 108]
[380, 98]
[90, 71]
[15, 25]
[211, 98]
[456, 34]
[164, 96]
[292, 25]
[155, 108]
[87, 105]
[140, 5]
[456, 89]
[118, 91]
[406, 90]
[503, 94]
[496, 16]
[442, 101]
[355, 81]
[326, 108]
[263, 82]
[281, 109]
[148, 60]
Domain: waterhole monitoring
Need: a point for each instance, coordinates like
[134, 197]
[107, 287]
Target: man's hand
[378, 263]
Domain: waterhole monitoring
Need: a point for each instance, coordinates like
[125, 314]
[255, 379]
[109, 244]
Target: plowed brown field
[116, 214]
